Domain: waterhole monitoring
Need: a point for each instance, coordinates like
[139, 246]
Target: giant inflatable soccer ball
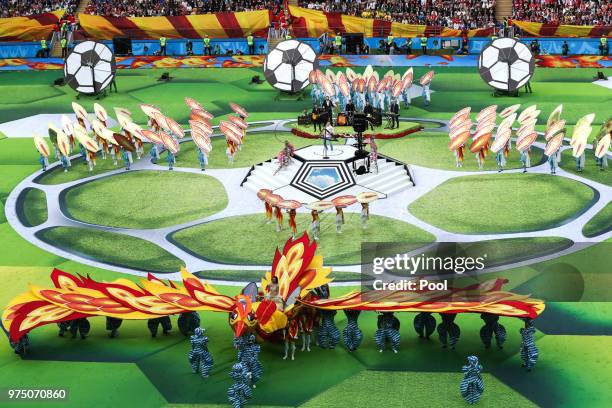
[287, 66]
[90, 67]
[506, 64]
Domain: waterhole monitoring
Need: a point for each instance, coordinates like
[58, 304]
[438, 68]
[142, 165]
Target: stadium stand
[15, 8]
[574, 12]
[457, 14]
[148, 8]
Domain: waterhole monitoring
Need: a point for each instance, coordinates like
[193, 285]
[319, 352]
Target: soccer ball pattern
[90, 67]
[287, 66]
[506, 64]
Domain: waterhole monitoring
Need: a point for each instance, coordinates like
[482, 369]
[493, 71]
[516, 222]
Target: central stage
[311, 177]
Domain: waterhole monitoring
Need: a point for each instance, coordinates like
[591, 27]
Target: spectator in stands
[576, 12]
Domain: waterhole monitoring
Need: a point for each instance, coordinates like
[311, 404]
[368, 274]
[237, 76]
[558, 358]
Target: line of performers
[323, 114]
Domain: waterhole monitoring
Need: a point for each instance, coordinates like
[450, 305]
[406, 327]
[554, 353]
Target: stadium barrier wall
[577, 46]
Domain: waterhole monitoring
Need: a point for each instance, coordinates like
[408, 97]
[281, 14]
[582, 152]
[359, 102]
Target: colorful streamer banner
[31, 28]
[220, 25]
[313, 23]
[561, 30]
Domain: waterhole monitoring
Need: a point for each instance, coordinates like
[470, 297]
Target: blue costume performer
[239, 392]
[529, 351]
[154, 153]
[44, 162]
[526, 159]
[424, 324]
[492, 327]
[388, 331]
[188, 322]
[406, 96]
[126, 158]
[472, 386]
[426, 95]
[170, 159]
[202, 159]
[199, 357]
[448, 331]
[250, 358]
[328, 335]
[65, 162]
[352, 334]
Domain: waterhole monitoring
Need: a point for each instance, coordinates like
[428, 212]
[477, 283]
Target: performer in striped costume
[424, 324]
[352, 334]
[199, 357]
[388, 331]
[529, 351]
[472, 385]
[239, 392]
[490, 328]
[328, 335]
[448, 331]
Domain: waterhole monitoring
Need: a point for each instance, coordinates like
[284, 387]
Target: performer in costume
[63, 328]
[273, 293]
[139, 148]
[315, 228]
[80, 326]
[203, 159]
[459, 156]
[199, 357]
[339, 220]
[373, 152]
[292, 213]
[170, 159]
[406, 96]
[112, 325]
[21, 346]
[580, 162]
[552, 162]
[290, 336]
[188, 322]
[268, 212]
[448, 331]
[240, 392]
[328, 335]
[65, 162]
[426, 94]
[164, 321]
[387, 331]
[365, 215]
[154, 153]
[328, 134]
[44, 162]
[91, 160]
[394, 108]
[526, 159]
[500, 158]
[471, 386]
[490, 328]
[424, 324]
[306, 320]
[278, 215]
[352, 334]
[529, 352]
[126, 158]
[230, 151]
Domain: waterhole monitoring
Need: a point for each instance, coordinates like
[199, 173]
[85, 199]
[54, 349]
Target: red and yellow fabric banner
[220, 25]
[313, 23]
[562, 30]
[30, 28]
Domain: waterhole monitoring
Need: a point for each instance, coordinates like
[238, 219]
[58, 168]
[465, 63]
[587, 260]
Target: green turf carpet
[146, 199]
[499, 203]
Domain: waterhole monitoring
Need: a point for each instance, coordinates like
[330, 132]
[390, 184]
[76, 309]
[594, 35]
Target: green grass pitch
[135, 370]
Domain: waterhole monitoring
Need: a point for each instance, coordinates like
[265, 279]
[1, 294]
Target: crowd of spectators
[146, 8]
[17, 8]
[458, 14]
[575, 12]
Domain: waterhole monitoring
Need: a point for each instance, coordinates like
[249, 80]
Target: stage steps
[262, 176]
